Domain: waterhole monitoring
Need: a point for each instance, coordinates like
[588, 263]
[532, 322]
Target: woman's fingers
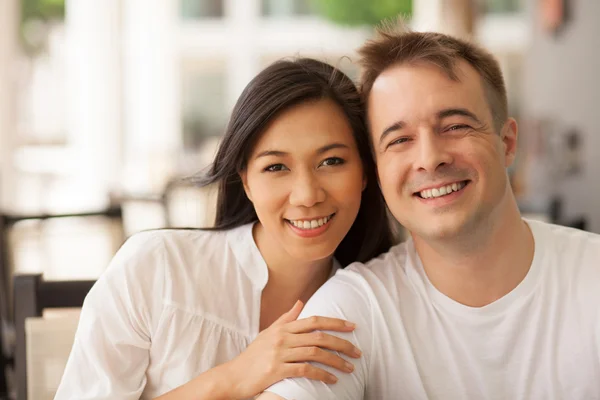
[304, 370]
[291, 315]
[325, 341]
[316, 354]
[315, 323]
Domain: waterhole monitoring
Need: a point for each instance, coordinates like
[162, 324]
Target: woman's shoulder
[184, 261]
[174, 271]
[172, 249]
[159, 243]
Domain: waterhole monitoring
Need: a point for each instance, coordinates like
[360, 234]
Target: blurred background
[106, 106]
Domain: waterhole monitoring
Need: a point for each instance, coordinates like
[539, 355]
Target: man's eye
[332, 161]
[275, 168]
[458, 127]
[398, 141]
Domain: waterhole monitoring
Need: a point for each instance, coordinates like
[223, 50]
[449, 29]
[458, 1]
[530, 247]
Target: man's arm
[269, 396]
[598, 334]
[345, 296]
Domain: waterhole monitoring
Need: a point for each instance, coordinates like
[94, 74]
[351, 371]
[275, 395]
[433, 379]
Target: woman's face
[305, 179]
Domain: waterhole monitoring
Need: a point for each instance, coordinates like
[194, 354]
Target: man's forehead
[407, 81]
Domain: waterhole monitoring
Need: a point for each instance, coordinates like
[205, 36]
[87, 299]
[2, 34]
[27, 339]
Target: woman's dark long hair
[280, 86]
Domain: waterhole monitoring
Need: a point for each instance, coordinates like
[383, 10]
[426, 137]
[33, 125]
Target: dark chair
[5, 359]
[32, 295]
[556, 216]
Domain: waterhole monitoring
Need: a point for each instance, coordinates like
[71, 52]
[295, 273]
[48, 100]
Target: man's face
[441, 164]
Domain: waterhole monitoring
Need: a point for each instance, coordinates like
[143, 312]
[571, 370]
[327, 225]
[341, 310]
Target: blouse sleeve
[110, 353]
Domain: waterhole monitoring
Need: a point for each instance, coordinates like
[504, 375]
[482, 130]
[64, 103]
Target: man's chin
[439, 235]
[439, 229]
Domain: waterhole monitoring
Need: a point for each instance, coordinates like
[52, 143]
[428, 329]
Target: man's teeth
[442, 191]
[310, 224]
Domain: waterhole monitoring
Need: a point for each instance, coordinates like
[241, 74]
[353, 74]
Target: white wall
[562, 81]
[8, 48]
[152, 120]
[93, 81]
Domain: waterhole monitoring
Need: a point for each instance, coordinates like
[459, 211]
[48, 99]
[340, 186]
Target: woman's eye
[332, 161]
[275, 168]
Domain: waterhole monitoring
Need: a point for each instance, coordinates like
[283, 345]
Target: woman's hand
[283, 350]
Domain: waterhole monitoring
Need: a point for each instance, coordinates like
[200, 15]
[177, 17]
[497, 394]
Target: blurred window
[286, 8]
[503, 6]
[204, 109]
[199, 9]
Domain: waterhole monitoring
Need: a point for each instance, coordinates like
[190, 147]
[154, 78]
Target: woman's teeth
[442, 191]
[310, 224]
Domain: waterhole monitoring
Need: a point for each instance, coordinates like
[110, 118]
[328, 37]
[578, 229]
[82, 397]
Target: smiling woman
[305, 178]
[308, 99]
[213, 313]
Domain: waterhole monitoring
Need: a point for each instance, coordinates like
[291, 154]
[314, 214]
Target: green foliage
[36, 16]
[362, 12]
[42, 9]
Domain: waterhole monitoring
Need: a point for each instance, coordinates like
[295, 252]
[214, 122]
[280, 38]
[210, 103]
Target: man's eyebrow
[449, 112]
[393, 127]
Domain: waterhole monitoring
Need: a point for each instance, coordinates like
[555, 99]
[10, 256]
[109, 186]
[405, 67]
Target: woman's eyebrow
[320, 150]
[332, 146]
[275, 153]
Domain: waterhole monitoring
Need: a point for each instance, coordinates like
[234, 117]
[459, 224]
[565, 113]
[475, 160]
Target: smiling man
[478, 303]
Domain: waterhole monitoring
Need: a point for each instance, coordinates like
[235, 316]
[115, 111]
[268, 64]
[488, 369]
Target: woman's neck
[289, 280]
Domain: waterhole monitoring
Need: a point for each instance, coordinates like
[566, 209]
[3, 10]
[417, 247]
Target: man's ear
[509, 135]
[244, 176]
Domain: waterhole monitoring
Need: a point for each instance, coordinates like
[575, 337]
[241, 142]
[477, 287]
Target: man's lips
[439, 190]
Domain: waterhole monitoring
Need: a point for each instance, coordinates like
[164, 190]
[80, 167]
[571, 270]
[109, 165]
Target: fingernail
[333, 379]
[357, 351]
[350, 324]
[349, 366]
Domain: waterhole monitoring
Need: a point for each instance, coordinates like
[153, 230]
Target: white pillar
[9, 19]
[153, 133]
[453, 17]
[243, 61]
[458, 17]
[94, 95]
[426, 15]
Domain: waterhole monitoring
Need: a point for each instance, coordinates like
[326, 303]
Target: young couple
[477, 304]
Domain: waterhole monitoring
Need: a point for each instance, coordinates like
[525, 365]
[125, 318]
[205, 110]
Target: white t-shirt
[172, 304]
[540, 341]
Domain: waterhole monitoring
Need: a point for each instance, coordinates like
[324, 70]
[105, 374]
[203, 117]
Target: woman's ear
[244, 176]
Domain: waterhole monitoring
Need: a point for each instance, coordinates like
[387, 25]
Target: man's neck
[481, 267]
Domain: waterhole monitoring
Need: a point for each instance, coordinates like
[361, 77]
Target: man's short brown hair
[394, 44]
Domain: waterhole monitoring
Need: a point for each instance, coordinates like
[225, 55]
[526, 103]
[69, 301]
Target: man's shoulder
[378, 277]
[390, 264]
[565, 241]
[570, 258]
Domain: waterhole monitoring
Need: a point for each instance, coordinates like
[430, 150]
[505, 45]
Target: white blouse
[171, 305]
